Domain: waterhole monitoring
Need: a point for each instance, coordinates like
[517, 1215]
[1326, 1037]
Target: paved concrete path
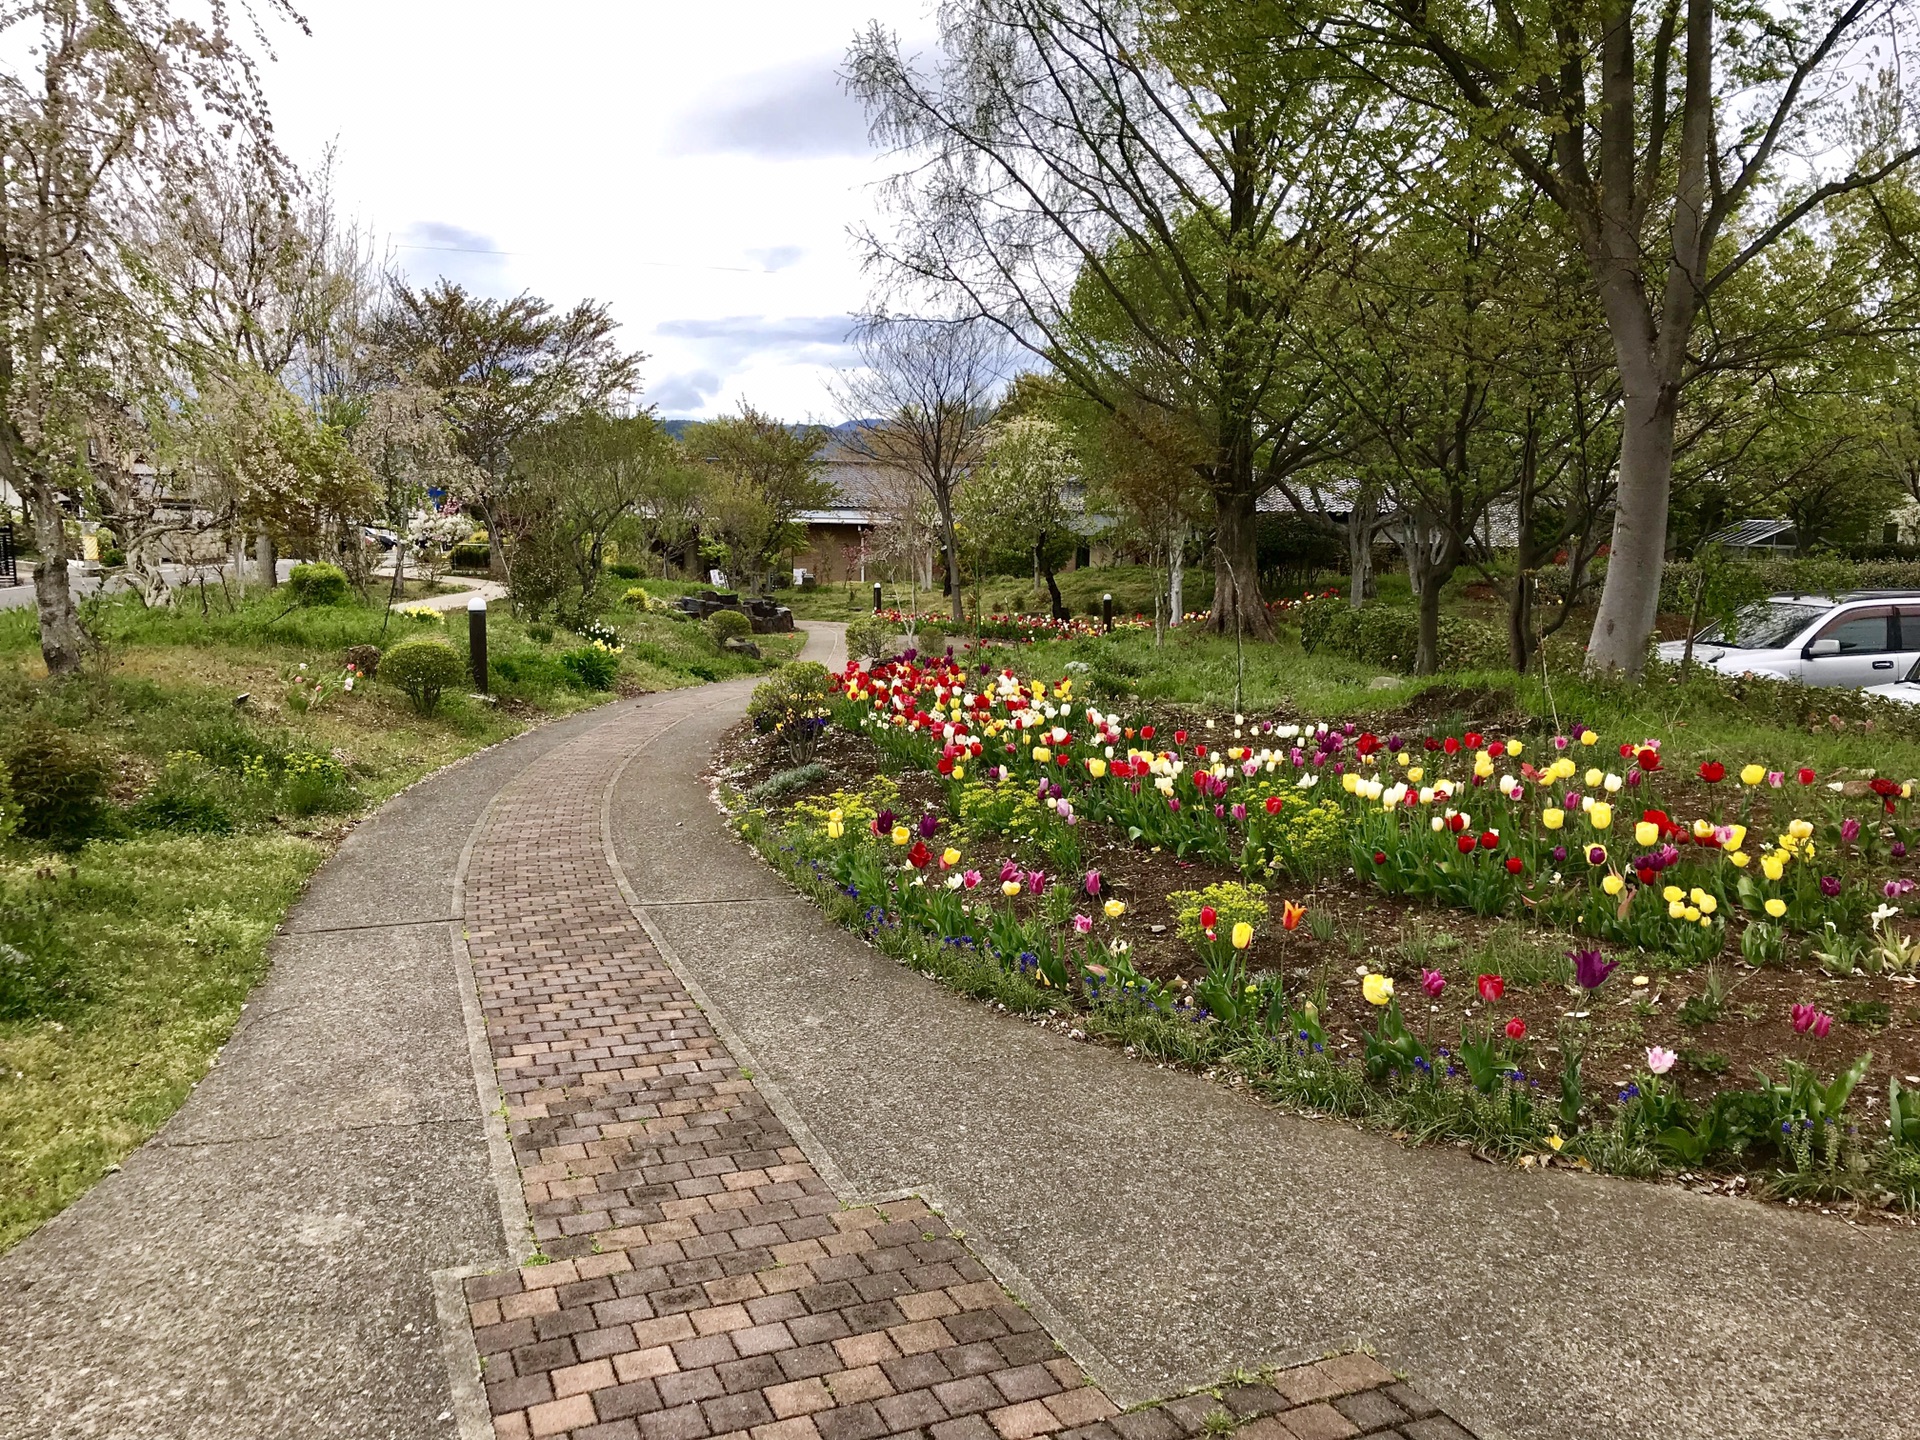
[263, 1266]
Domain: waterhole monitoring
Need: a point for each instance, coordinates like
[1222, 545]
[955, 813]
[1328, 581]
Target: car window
[1767, 624]
[1860, 632]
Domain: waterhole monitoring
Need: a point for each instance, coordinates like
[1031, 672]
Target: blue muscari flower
[1786, 1127]
[1632, 1092]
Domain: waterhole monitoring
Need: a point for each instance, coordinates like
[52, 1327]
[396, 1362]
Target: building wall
[832, 552]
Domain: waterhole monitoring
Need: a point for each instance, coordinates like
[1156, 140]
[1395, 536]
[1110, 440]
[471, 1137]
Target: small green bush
[725, 625]
[1389, 636]
[929, 638]
[469, 556]
[775, 787]
[623, 570]
[9, 807]
[869, 637]
[316, 585]
[791, 706]
[112, 556]
[593, 666]
[540, 633]
[422, 667]
[60, 783]
[315, 783]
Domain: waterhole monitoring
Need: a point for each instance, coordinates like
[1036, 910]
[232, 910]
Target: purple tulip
[1830, 885]
[1899, 849]
[929, 823]
[1590, 968]
[1633, 776]
[1559, 854]
[1239, 811]
[883, 822]
[1850, 829]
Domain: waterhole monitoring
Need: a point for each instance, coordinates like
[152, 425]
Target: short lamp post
[477, 641]
[1106, 613]
[876, 597]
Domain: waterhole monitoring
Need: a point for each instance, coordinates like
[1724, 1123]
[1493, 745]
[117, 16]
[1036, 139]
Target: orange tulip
[1294, 913]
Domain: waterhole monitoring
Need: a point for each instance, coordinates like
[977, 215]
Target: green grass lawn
[129, 951]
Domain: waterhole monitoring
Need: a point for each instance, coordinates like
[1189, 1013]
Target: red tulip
[1516, 1029]
[1492, 987]
[1146, 732]
[919, 856]
[1452, 746]
[1804, 776]
[1379, 857]
[1472, 738]
[1465, 842]
[1489, 839]
[1456, 823]
[1514, 865]
[1497, 749]
[1179, 737]
[1648, 759]
[1274, 802]
[1209, 917]
[1713, 772]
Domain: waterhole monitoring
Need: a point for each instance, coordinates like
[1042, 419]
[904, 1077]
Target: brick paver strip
[702, 1280]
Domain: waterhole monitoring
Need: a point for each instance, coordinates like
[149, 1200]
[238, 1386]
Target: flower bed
[1420, 928]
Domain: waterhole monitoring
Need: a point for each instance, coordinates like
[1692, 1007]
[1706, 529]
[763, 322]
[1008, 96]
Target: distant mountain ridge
[678, 428]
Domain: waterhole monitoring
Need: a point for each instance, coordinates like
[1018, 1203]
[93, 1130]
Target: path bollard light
[1106, 613]
[477, 641]
[876, 597]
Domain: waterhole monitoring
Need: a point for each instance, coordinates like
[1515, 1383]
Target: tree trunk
[62, 641]
[1237, 606]
[238, 549]
[1630, 598]
[1362, 520]
[1053, 593]
[267, 558]
[1426, 655]
[1177, 576]
[953, 558]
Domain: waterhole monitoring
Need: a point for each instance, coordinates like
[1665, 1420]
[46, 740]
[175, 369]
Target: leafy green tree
[502, 369]
[764, 473]
[1015, 501]
[1661, 130]
[574, 481]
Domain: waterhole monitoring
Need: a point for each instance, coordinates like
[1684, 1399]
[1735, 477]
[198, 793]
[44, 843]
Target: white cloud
[677, 162]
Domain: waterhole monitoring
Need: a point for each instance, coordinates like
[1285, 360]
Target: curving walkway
[545, 1000]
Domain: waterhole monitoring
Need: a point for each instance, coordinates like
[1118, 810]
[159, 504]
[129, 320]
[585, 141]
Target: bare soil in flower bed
[1367, 929]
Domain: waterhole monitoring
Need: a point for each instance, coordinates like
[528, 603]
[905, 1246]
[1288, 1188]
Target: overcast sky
[696, 164]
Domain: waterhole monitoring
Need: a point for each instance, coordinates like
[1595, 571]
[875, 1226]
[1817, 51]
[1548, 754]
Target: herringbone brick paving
[702, 1280]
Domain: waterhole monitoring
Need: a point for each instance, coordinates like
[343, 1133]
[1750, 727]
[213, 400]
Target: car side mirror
[1818, 648]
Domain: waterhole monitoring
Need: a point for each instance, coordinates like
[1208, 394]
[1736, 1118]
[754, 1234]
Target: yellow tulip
[1587, 737]
[1242, 935]
[959, 772]
[1096, 767]
[1776, 907]
[1416, 774]
[1513, 747]
[1600, 816]
[1553, 819]
[1752, 774]
[1115, 909]
[1594, 777]
[835, 829]
[1350, 782]
[1677, 909]
[1042, 754]
[1740, 859]
[1613, 884]
[1646, 833]
[901, 835]
[950, 858]
[1708, 905]
[1673, 893]
[1800, 829]
[1692, 914]
[1772, 866]
[1378, 989]
[1010, 888]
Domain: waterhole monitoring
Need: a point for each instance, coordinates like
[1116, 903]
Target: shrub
[9, 808]
[59, 781]
[1389, 636]
[725, 625]
[623, 570]
[1233, 903]
[112, 556]
[365, 659]
[787, 781]
[929, 638]
[470, 556]
[636, 596]
[869, 637]
[791, 706]
[423, 667]
[315, 585]
[592, 666]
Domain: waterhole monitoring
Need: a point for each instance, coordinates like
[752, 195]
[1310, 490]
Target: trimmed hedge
[318, 585]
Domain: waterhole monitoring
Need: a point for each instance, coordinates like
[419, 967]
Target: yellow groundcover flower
[1377, 988]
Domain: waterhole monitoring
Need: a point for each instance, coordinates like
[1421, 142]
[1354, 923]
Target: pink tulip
[1660, 1061]
[1093, 883]
[1433, 982]
[1083, 923]
[970, 879]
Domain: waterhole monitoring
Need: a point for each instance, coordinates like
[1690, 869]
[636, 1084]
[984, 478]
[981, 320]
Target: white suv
[1867, 638]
